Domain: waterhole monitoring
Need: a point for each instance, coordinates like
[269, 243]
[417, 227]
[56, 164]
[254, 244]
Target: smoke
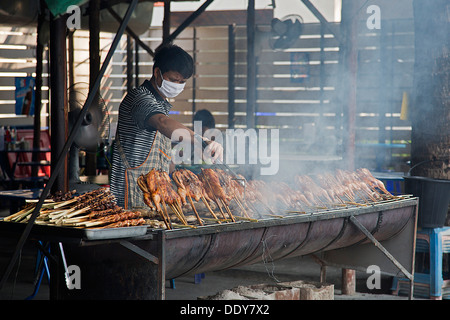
[430, 110]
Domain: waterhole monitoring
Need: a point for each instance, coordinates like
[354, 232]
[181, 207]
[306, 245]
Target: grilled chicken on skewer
[169, 196]
[184, 190]
[187, 180]
[157, 188]
[233, 186]
[373, 182]
[215, 191]
[194, 188]
[212, 185]
[312, 191]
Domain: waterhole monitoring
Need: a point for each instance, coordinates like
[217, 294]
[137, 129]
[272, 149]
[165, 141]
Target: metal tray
[115, 233]
[65, 233]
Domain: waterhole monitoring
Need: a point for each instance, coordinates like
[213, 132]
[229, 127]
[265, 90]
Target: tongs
[221, 163]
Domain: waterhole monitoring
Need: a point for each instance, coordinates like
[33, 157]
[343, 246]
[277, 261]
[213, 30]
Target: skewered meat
[258, 193]
[121, 216]
[168, 192]
[188, 187]
[212, 185]
[157, 187]
[366, 176]
[63, 196]
[158, 191]
[290, 197]
[312, 191]
[189, 183]
[102, 213]
[230, 184]
[126, 223]
[357, 186]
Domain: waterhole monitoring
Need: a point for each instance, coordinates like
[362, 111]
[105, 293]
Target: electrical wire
[267, 259]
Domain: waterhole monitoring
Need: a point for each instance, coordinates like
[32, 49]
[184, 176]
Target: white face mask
[170, 89]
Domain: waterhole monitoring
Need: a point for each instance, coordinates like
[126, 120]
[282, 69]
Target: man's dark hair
[206, 117]
[172, 58]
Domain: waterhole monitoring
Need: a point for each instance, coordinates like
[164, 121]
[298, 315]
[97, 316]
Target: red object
[13, 157]
[7, 136]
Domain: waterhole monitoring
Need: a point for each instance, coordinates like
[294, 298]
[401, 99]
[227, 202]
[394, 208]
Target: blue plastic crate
[436, 242]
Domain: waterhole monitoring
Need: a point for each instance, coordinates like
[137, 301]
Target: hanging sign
[25, 95]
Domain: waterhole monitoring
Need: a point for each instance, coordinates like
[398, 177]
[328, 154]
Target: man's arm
[167, 126]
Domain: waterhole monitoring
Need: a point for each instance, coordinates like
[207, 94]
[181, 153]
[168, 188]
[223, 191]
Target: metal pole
[38, 93]
[131, 33]
[166, 29]
[231, 74]
[136, 64]
[129, 64]
[58, 100]
[166, 21]
[251, 65]
[194, 78]
[350, 66]
[94, 67]
[321, 18]
[71, 61]
[68, 143]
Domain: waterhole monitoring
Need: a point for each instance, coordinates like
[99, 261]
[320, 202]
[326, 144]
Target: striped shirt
[136, 137]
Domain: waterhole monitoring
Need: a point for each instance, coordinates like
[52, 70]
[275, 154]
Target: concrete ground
[293, 269]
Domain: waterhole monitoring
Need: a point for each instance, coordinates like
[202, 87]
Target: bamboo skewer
[168, 225]
[180, 210]
[195, 210]
[177, 206]
[247, 206]
[166, 213]
[215, 198]
[256, 210]
[356, 204]
[214, 220]
[221, 210]
[242, 207]
[245, 219]
[19, 215]
[273, 215]
[183, 226]
[209, 208]
[179, 215]
[228, 210]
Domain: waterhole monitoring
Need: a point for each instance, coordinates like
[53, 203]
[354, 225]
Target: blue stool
[197, 279]
[41, 268]
[428, 280]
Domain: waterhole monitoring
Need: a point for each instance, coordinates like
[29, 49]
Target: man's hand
[166, 125]
[213, 151]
